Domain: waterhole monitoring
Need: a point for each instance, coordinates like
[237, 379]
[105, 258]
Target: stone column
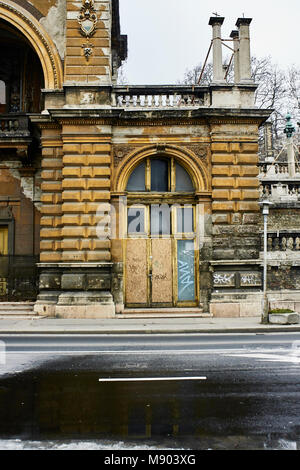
[236, 46]
[244, 55]
[218, 72]
[268, 142]
[291, 158]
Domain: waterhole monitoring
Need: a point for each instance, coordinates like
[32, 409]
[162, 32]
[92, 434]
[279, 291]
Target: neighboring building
[280, 184]
[134, 197]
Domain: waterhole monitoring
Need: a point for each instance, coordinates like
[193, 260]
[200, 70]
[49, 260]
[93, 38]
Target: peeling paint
[28, 186]
[55, 24]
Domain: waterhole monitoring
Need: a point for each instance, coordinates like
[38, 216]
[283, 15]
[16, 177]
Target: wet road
[147, 342]
[191, 391]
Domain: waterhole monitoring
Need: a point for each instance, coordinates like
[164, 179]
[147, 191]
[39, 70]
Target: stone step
[163, 312]
[17, 308]
[19, 316]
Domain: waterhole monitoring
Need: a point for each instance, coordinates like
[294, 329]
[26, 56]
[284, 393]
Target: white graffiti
[249, 279]
[223, 278]
[186, 278]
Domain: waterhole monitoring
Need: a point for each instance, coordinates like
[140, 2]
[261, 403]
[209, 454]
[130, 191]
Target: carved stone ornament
[87, 18]
[87, 50]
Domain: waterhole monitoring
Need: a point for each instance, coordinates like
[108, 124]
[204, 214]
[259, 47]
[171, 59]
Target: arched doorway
[30, 30]
[28, 65]
[161, 253]
[21, 73]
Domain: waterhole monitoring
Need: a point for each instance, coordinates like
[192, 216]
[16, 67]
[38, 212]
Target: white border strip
[149, 379]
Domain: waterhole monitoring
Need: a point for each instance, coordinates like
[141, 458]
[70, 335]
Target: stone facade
[93, 134]
[280, 184]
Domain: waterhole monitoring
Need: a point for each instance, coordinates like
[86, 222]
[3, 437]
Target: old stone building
[124, 198]
[280, 184]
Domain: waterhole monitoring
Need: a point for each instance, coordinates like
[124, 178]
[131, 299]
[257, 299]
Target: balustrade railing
[159, 97]
[280, 191]
[282, 240]
[14, 125]
[280, 168]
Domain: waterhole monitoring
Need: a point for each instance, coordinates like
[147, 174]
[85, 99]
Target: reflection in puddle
[72, 410]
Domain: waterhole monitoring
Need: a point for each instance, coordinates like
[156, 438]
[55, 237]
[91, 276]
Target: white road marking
[149, 379]
[228, 352]
[295, 359]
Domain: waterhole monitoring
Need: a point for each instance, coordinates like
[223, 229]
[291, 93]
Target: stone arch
[186, 158]
[39, 39]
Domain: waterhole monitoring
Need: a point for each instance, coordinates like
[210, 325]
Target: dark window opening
[159, 175]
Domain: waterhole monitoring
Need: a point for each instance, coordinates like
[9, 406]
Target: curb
[278, 329]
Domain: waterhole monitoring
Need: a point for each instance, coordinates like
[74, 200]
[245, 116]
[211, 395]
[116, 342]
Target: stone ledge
[85, 311]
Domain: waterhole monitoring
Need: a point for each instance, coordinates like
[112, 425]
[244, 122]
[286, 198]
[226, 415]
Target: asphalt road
[194, 391]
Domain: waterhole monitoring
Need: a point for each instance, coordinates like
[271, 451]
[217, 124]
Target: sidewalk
[36, 325]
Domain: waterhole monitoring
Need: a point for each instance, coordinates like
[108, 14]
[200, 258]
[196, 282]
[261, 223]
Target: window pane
[159, 175]
[136, 220]
[185, 220]
[186, 270]
[183, 180]
[2, 92]
[160, 219]
[136, 180]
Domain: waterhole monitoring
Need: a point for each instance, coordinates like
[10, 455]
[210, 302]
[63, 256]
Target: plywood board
[136, 278]
[162, 276]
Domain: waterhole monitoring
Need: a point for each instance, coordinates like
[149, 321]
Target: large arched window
[160, 175]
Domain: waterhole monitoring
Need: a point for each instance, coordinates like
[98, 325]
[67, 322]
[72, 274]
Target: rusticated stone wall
[235, 192]
[51, 210]
[86, 187]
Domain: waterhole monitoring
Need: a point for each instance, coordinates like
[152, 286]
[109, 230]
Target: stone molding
[196, 167]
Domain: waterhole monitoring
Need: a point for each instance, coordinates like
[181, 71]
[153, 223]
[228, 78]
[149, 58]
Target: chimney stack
[236, 46]
[218, 72]
[244, 54]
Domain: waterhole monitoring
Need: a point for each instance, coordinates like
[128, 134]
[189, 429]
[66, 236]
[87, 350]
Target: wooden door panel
[162, 275]
[136, 282]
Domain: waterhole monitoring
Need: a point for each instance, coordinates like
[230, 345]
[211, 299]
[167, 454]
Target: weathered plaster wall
[283, 219]
[55, 23]
[24, 212]
[42, 5]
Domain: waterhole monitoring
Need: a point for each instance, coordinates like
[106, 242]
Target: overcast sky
[166, 37]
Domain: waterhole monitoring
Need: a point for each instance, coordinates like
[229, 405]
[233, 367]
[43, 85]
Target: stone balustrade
[280, 192]
[157, 97]
[275, 171]
[282, 240]
[14, 125]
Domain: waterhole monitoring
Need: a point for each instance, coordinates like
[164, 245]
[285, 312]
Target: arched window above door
[160, 175]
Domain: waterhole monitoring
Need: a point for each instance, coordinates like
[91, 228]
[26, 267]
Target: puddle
[72, 409]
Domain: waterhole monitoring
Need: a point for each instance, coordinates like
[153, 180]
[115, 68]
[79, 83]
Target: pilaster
[51, 210]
